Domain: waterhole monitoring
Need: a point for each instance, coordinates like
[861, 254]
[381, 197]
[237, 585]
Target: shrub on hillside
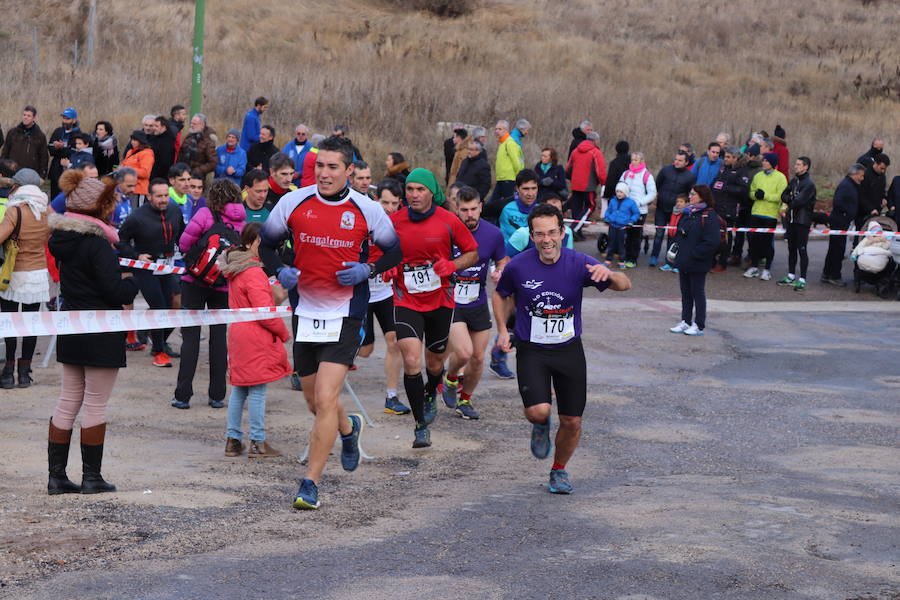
[449, 9]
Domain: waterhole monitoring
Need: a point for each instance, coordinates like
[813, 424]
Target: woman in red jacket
[256, 354]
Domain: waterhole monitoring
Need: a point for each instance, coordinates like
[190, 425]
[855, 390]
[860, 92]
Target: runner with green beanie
[427, 178]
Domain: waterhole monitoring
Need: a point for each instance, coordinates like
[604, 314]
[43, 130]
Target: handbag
[672, 252]
[10, 251]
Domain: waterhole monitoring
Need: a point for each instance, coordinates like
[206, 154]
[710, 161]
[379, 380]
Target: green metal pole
[197, 69]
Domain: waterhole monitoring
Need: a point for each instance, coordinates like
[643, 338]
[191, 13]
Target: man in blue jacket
[231, 158]
[252, 124]
[297, 148]
[844, 206]
[709, 164]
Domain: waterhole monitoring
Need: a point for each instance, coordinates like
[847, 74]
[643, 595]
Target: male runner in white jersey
[330, 226]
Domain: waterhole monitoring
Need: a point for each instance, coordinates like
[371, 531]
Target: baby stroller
[874, 262]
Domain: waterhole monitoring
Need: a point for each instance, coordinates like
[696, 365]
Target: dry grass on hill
[656, 72]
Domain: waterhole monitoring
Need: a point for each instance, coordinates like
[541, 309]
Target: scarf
[694, 208]
[111, 235]
[545, 168]
[417, 217]
[633, 171]
[107, 145]
[277, 188]
[32, 197]
[525, 209]
[180, 200]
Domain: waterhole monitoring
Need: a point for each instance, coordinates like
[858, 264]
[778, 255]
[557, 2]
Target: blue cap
[69, 113]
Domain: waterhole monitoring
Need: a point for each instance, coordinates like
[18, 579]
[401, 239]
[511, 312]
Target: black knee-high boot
[92, 459]
[57, 458]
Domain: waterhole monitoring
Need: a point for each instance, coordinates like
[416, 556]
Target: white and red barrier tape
[64, 322]
[151, 266]
[762, 229]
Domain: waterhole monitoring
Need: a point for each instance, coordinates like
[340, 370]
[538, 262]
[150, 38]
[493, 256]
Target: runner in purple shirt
[471, 328]
[544, 285]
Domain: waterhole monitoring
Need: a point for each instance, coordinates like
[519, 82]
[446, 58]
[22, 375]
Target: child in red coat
[256, 354]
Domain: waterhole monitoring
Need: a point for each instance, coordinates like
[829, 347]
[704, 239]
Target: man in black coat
[151, 234]
[259, 153]
[672, 180]
[62, 141]
[845, 206]
[617, 166]
[475, 171]
[162, 142]
[876, 149]
[872, 190]
[730, 188]
[26, 144]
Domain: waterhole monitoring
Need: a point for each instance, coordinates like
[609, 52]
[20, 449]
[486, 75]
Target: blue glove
[353, 274]
[287, 277]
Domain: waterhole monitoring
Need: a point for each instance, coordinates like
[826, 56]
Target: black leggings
[798, 235]
[196, 296]
[579, 203]
[157, 291]
[633, 237]
[28, 343]
[693, 297]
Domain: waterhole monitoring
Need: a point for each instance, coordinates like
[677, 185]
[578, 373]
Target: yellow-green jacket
[510, 159]
[772, 184]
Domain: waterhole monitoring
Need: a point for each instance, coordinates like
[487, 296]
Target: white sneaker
[693, 330]
[765, 275]
[680, 328]
[751, 272]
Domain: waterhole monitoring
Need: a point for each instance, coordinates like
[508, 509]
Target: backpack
[723, 226]
[202, 259]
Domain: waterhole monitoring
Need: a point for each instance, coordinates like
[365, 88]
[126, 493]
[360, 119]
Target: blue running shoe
[665, 267]
[540, 439]
[296, 385]
[176, 403]
[307, 497]
[423, 437]
[216, 403]
[350, 443]
[559, 482]
[448, 392]
[465, 410]
[430, 408]
[652, 261]
[393, 406]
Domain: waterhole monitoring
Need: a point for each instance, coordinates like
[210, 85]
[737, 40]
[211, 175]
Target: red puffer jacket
[256, 353]
[586, 167]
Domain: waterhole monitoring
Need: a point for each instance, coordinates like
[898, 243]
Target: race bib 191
[322, 331]
[420, 279]
[552, 328]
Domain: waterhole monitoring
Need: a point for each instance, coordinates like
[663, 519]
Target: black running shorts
[383, 310]
[476, 318]
[308, 355]
[537, 367]
[432, 326]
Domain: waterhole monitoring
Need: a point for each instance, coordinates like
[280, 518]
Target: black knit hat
[780, 132]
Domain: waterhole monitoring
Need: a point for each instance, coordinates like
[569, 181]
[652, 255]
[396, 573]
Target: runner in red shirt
[423, 292]
[331, 227]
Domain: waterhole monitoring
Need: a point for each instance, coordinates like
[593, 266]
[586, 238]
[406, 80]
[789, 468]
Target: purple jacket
[232, 214]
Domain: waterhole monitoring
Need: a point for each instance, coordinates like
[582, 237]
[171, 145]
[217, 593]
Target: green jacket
[773, 184]
[510, 160]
